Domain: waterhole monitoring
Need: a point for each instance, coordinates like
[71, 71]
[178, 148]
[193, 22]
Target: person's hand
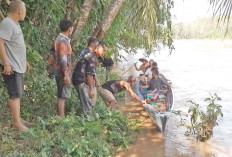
[97, 84]
[135, 64]
[67, 80]
[7, 70]
[144, 102]
[28, 67]
[91, 94]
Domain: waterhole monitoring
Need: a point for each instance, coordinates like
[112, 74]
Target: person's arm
[97, 82]
[140, 68]
[63, 61]
[136, 68]
[5, 61]
[145, 86]
[90, 83]
[164, 83]
[127, 86]
[28, 67]
[91, 74]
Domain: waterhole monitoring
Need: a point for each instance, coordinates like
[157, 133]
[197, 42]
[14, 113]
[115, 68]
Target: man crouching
[110, 88]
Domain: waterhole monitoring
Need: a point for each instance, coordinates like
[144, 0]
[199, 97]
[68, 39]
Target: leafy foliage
[202, 123]
[72, 136]
[148, 23]
[223, 9]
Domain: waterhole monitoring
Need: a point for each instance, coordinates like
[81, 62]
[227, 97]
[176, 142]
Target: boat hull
[160, 119]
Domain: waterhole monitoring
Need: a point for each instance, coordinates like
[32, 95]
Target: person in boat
[107, 90]
[144, 66]
[159, 88]
[156, 83]
[152, 65]
[141, 87]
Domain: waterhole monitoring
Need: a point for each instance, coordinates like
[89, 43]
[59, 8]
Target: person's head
[151, 61]
[155, 73]
[154, 68]
[66, 26]
[131, 80]
[101, 49]
[92, 43]
[143, 60]
[154, 64]
[18, 9]
[142, 77]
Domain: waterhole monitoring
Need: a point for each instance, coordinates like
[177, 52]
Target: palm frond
[149, 17]
[222, 9]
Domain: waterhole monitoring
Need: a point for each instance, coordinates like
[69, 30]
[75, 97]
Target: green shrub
[202, 123]
[72, 136]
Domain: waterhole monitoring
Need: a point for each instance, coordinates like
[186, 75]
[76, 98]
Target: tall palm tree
[108, 19]
[84, 14]
[144, 16]
[147, 19]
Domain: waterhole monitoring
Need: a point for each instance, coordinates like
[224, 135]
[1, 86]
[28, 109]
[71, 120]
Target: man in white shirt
[13, 60]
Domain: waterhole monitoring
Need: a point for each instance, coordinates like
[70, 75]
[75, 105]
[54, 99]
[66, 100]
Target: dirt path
[150, 142]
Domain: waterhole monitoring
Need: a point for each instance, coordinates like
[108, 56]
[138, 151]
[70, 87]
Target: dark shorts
[14, 84]
[64, 91]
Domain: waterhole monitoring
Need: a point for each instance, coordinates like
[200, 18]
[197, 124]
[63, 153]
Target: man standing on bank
[85, 78]
[13, 60]
[63, 60]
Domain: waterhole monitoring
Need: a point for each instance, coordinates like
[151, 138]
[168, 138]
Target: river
[196, 68]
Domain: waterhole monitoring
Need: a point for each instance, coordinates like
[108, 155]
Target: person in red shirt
[63, 65]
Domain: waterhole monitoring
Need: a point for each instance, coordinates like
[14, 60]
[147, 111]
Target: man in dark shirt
[156, 83]
[85, 79]
[92, 44]
[110, 88]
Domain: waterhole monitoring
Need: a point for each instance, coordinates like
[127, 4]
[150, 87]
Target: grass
[50, 135]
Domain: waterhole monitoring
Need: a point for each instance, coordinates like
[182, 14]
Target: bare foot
[25, 122]
[21, 128]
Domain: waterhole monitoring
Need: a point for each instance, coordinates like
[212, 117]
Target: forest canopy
[132, 24]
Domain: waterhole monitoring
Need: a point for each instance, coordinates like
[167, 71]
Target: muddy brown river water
[196, 68]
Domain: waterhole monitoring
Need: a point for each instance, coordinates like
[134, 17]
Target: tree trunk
[84, 14]
[69, 8]
[102, 29]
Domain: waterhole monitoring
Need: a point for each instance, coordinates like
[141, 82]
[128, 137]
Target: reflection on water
[196, 68]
